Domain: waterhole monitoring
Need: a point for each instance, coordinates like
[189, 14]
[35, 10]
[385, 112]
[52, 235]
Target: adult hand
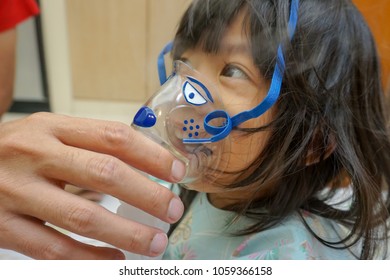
[43, 152]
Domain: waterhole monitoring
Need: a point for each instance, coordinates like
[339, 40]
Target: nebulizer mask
[187, 116]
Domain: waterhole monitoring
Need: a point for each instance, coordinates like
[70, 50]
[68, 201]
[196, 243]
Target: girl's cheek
[241, 151]
[239, 96]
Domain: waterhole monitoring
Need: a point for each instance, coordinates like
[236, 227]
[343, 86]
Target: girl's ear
[321, 147]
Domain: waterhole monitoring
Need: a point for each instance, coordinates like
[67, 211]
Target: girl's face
[241, 87]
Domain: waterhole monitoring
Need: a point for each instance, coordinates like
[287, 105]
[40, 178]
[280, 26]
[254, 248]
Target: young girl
[308, 177]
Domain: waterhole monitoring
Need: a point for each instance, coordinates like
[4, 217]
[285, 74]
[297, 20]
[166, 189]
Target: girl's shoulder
[291, 239]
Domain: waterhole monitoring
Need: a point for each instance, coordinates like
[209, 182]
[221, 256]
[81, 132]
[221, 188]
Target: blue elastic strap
[162, 74]
[221, 132]
[277, 77]
[218, 132]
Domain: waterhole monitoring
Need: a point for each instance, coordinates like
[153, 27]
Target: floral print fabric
[208, 233]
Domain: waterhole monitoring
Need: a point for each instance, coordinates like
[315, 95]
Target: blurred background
[92, 58]
[97, 58]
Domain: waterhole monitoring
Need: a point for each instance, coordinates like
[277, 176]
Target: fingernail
[159, 243]
[175, 209]
[178, 170]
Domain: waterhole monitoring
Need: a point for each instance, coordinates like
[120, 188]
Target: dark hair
[331, 100]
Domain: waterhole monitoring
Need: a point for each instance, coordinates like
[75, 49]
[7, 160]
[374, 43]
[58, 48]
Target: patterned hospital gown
[203, 234]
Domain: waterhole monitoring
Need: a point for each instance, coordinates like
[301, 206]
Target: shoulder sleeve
[287, 245]
[12, 12]
[291, 240]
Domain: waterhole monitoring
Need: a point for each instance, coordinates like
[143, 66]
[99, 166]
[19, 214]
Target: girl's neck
[241, 195]
[219, 201]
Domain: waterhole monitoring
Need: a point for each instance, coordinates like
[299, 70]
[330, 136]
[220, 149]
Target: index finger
[121, 141]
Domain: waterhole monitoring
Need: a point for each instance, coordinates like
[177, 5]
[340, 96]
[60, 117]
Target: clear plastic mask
[187, 117]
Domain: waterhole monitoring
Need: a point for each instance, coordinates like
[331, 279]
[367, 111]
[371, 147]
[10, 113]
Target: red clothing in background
[13, 12]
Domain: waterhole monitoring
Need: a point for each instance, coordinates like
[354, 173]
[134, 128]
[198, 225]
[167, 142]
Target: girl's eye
[234, 72]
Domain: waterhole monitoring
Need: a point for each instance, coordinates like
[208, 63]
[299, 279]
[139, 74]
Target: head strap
[277, 77]
[272, 95]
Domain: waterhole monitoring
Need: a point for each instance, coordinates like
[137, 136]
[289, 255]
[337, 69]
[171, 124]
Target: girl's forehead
[235, 38]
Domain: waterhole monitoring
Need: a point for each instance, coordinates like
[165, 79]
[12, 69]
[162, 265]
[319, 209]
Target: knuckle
[12, 141]
[135, 242]
[159, 157]
[80, 219]
[9, 143]
[27, 248]
[67, 157]
[158, 160]
[37, 117]
[103, 169]
[70, 156]
[157, 194]
[116, 134]
[14, 144]
[44, 250]
[55, 250]
[14, 135]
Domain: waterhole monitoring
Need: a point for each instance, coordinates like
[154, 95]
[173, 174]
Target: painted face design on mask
[187, 117]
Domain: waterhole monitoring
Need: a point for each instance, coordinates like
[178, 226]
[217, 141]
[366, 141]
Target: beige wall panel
[163, 19]
[107, 45]
[376, 13]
